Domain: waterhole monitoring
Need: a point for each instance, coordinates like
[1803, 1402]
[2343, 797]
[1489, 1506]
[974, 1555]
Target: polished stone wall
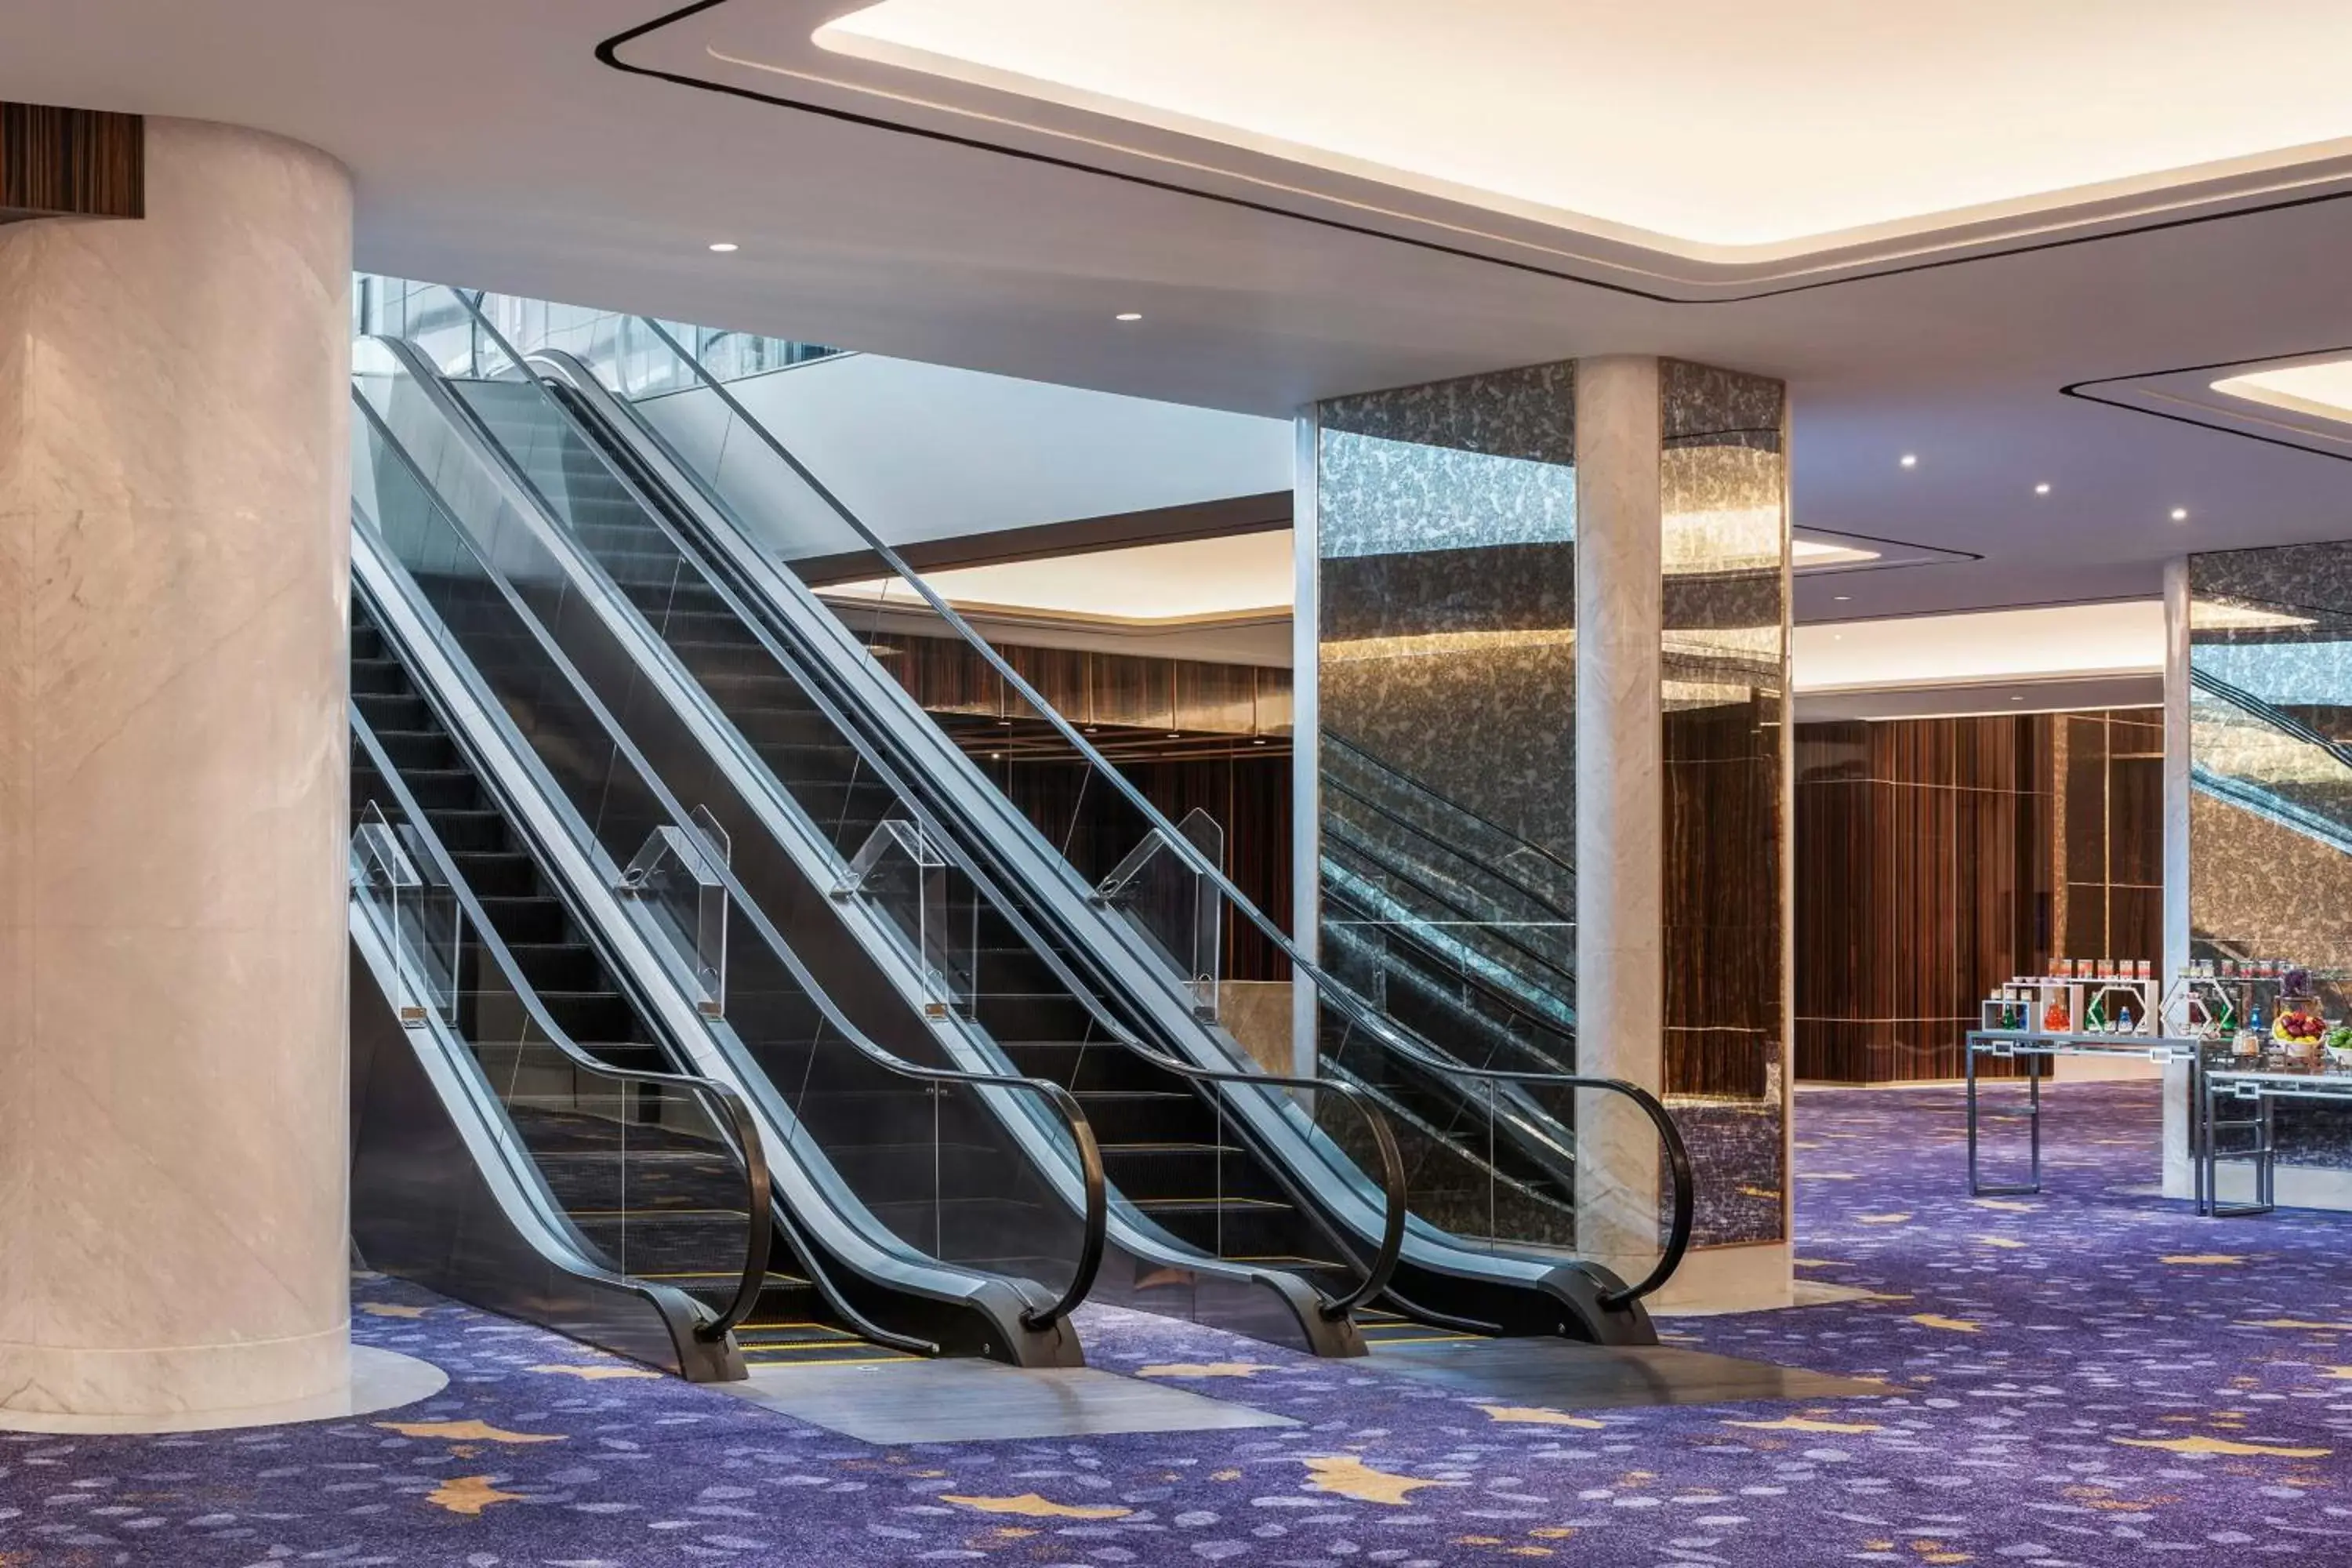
[1449, 523]
[1722, 685]
[1445, 529]
[175, 506]
[2270, 709]
[1445, 532]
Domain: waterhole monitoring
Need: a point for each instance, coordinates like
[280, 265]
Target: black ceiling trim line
[1958, 555]
[608, 53]
[2078, 390]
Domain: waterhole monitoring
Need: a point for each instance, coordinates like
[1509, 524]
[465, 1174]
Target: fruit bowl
[2299, 1027]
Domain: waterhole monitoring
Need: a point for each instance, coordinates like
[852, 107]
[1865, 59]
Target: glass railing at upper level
[431, 316]
[1475, 1131]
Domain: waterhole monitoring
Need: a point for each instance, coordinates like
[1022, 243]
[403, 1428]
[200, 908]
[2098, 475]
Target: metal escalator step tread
[863, 1354]
[1373, 1336]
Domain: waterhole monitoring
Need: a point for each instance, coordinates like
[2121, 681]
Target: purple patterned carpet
[2083, 1377]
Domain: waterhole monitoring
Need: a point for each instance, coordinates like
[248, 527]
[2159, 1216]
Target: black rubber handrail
[1094, 1182]
[1325, 985]
[1396, 1200]
[730, 1113]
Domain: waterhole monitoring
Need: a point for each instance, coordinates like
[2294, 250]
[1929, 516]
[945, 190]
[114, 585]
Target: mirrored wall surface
[1722, 485]
[1446, 526]
[2271, 759]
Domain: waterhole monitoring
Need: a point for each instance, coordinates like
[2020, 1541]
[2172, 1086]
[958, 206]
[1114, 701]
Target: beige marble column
[1621, 794]
[173, 581]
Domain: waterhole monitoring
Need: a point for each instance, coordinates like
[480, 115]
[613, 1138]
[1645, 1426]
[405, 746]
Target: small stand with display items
[2266, 1041]
[2083, 1007]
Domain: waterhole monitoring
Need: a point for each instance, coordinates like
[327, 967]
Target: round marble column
[172, 579]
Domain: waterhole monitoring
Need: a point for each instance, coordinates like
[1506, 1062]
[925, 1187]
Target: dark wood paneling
[1249, 796]
[71, 163]
[1722, 869]
[1923, 878]
[1125, 691]
[1080, 536]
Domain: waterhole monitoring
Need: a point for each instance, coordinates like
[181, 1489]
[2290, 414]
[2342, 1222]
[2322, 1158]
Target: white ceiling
[1626, 114]
[490, 145]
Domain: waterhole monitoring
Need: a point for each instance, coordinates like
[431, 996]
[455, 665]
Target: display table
[2036, 1044]
[2253, 1089]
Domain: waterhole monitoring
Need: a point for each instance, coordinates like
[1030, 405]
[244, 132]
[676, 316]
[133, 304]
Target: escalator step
[560, 965]
[426, 748]
[470, 828]
[531, 920]
[499, 873]
[435, 788]
[403, 709]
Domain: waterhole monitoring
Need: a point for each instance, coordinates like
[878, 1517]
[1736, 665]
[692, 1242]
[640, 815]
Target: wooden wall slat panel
[1928, 853]
[58, 163]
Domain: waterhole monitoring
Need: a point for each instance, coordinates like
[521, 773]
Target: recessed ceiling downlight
[1128, 316]
[725, 247]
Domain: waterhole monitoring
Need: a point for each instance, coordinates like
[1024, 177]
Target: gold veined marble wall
[1447, 546]
[1722, 686]
[1442, 746]
[2270, 709]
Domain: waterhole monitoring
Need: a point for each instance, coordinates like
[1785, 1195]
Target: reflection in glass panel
[1722, 473]
[1446, 590]
[2271, 758]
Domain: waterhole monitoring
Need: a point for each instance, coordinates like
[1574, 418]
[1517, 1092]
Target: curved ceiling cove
[1699, 151]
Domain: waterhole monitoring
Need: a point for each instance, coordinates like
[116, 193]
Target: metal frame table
[2009, 1043]
[2265, 1086]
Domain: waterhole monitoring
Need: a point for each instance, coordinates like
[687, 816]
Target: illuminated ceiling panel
[2322, 390]
[1243, 575]
[1713, 125]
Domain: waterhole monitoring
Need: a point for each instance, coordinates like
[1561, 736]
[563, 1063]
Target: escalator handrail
[1093, 1179]
[1416, 787]
[2270, 713]
[1356, 1009]
[727, 1107]
[1393, 1183]
[1397, 876]
[1449, 969]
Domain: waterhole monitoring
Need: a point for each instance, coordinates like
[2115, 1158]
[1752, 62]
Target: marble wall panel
[1723, 483]
[174, 502]
[1446, 540]
[2270, 701]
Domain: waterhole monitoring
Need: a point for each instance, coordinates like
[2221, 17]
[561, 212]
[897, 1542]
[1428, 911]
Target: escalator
[659, 530]
[922, 953]
[901, 1217]
[668, 1205]
[496, 1161]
